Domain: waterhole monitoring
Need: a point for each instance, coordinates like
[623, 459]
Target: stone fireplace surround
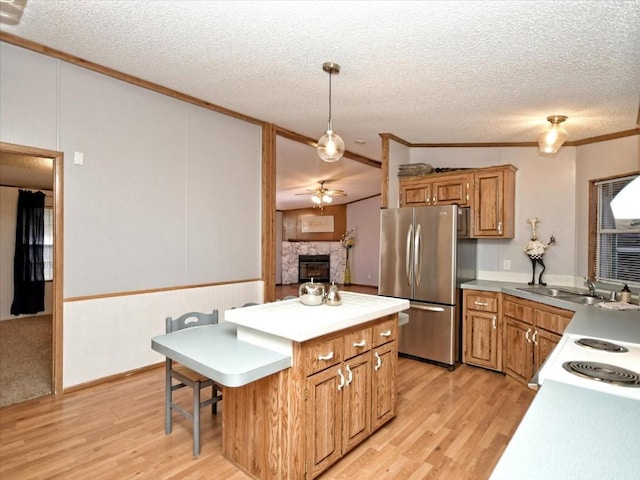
[291, 251]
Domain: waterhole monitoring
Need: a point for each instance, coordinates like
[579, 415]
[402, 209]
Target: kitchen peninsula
[304, 384]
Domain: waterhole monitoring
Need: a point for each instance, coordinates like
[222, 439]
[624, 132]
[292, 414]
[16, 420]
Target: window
[47, 253]
[614, 244]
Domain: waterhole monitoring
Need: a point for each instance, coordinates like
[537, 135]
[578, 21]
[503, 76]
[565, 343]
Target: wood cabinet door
[356, 401]
[481, 340]
[517, 359]
[384, 384]
[544, 342]
[451, 189]
[323, 412]
[415, 195]
[489, 204]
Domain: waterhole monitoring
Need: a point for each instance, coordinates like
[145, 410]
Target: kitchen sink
[582, 299]
[551, 292]
[570, 295]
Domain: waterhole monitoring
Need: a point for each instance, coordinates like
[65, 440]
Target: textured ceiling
[427, 72]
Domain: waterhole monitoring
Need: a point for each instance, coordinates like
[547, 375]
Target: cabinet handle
[434, 200]
[350, 375]
[379, 364]
[494, 323]
[500, 227]
[341, 380]
[526, 335]
[481, 304]
[533, 338]
[386, 333]
[328, 356]
[361, 343]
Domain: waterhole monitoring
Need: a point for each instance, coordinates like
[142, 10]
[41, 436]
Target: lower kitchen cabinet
[351, 394]
[482, 329]
[531, 331]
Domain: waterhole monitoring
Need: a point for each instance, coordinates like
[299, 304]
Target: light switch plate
[78, 158]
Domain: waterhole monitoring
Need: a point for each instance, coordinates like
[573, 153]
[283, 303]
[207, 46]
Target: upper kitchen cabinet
[437, 189]
[489, 192]
[494, 202]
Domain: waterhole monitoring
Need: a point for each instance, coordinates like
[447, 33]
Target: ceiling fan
[321, 196]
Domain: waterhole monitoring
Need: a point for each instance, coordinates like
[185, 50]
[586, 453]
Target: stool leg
[196, 419]
[167, 397]
[214, 393]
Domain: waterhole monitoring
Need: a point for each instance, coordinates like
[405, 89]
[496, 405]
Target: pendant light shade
[551, 138]
[330, 146]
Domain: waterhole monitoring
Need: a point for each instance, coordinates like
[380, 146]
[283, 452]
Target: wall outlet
[506, 265]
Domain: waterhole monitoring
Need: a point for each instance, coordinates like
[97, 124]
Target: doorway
[27, 158]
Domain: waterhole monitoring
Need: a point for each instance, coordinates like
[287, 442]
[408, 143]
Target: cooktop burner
[603, 372]
[602, 345]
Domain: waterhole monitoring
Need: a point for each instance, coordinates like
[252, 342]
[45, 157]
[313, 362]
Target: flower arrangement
[348, 239]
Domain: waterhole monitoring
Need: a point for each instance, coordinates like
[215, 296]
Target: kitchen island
[329, 381]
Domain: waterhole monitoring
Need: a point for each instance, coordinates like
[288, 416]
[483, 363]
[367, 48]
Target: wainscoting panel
[108, 336]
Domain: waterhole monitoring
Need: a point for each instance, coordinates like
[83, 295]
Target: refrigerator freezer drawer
[433, 333]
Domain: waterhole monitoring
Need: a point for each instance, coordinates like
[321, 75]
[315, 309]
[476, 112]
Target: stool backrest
[191, 319]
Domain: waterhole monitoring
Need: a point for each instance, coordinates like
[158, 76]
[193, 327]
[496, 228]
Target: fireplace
[314, 266]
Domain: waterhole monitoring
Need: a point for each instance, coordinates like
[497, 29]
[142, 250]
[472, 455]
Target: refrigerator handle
[408, 269]
[417, 255]
[428, 309]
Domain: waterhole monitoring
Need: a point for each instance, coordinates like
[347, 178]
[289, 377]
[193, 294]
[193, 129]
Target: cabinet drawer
[357, 342]
[516, 310]
[551, 321]
[484, 302]
[385, 331]
[321, 355]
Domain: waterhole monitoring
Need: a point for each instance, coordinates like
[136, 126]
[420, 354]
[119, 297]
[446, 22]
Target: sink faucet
[591, 286]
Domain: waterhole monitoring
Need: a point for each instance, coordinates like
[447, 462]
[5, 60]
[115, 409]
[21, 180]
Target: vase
[347, 271]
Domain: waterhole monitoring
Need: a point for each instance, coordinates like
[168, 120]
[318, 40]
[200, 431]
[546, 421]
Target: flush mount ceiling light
[330, 146]
[551, 138]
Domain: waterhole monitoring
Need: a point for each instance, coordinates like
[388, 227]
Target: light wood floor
[450, 425]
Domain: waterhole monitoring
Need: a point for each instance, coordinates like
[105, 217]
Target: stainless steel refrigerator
[425, 254]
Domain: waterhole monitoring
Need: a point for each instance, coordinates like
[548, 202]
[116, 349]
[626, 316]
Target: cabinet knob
[386, 333]
[328, 356]
[500, 227]
[494, 323]
[481, 304]
[361, 343]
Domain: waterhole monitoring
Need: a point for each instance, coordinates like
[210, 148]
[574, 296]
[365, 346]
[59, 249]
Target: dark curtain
[28, 262]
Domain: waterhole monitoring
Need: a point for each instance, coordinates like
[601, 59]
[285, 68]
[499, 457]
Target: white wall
[364, 218]
[169, 195]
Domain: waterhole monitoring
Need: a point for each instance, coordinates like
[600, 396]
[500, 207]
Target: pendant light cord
[330, 127]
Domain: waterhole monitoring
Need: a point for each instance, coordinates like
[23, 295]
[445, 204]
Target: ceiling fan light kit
[551, 138]
[330, 146]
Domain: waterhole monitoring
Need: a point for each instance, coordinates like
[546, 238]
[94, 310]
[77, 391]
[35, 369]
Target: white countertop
[570, 432]
[215, 352]
[232, 356]
[292, 320]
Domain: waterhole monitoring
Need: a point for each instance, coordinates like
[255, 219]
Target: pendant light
[330, 146]
[551, 138]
